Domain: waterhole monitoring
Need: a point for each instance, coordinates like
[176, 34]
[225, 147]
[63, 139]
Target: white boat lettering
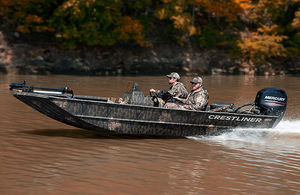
[234, 118]
[274, 98]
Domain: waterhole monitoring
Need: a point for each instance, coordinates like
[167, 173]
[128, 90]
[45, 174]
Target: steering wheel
[155, 100]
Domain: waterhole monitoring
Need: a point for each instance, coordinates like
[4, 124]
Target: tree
[262, 44]
[96, 23]
[28, 15]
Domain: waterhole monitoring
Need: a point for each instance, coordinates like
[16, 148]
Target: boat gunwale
[162, 108]
[69, 98]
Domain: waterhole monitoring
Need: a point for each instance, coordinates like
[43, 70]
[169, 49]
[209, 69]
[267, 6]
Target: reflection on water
[41, 156]
[82, 134]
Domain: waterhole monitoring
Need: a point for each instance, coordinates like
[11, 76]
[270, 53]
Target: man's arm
[180, 99]
[178, 90]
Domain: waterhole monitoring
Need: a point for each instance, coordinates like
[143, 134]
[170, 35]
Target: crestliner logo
[234, 118]
[274, 98]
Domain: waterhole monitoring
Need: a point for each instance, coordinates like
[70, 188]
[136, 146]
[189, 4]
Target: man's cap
[173, 75]
[196, 80]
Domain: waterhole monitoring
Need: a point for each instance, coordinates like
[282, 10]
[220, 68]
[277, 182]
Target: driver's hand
[152, 90]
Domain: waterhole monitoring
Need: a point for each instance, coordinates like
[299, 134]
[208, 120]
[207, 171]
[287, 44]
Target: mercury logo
[274, 98]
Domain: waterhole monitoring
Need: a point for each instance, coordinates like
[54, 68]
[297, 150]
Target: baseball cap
[173, 75]
[196, 80]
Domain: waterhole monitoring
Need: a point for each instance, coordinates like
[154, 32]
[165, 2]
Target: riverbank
[31, 56]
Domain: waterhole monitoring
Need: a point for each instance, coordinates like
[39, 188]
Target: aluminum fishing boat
[135, 114]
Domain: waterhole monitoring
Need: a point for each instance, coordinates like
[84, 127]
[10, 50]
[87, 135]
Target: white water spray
[286, 126]
[285, 131]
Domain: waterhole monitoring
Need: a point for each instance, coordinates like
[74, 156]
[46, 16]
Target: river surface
[41, 156]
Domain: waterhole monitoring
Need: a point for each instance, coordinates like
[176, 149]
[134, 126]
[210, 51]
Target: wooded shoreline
[20, 56]
[149, 37]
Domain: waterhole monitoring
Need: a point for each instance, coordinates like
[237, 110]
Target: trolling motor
[22, 87]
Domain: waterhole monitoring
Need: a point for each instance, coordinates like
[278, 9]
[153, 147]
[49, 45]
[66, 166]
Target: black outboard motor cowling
[271, 101]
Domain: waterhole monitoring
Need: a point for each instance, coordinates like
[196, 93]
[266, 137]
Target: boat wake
[286, 132]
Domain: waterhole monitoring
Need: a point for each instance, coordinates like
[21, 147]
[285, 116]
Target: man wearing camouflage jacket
[177, 89]
[198, 98]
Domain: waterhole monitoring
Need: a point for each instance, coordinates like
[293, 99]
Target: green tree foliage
[96, 23]
[91, 22]
[28, 15]
[177, 14]
[73, 22]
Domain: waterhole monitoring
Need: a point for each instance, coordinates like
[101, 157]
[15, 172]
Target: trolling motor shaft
[24, 88]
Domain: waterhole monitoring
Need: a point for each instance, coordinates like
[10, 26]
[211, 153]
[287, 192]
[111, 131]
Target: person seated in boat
[177, 89]
[197, 99]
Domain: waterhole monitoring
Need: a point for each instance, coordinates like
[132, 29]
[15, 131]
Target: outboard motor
[271, 101]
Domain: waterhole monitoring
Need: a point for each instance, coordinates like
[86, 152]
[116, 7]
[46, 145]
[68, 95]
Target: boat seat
[137, 98]
[133, 96]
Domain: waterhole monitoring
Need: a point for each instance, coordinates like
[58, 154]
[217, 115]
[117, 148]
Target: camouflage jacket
[178, 90]
[197, 100]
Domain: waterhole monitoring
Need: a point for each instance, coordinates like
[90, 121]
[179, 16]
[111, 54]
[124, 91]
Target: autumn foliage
[252, 29]
[262, 44]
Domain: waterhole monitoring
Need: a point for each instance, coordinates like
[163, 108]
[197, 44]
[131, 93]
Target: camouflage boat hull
[98, 114]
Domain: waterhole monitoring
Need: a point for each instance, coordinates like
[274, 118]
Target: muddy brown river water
[41, 156]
